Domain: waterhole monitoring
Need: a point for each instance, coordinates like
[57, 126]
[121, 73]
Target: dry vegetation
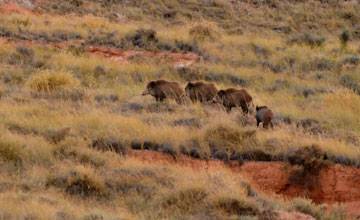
[67, 117]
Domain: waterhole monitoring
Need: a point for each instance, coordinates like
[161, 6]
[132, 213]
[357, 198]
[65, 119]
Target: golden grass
[29, 157]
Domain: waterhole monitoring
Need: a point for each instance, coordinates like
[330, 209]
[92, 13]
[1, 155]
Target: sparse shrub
[23, 55]
[244, 120]
[308, 162]
[57, 135]
[21, 21]
[161, 107]
[188, 74]
[51, 80]
[280, 118]
[337, 213]
[344, 38]
[110, 144]
[170, 14]
[236, 206]
[78, 183]
[198, 153]
[305, 91]
[320, 64]
[319, 76]
[256, 155]
[236, 80]
[190, 122]
[90, 158]
[25, 51]
[259, 50]
[187, 47]
[143, 38]
[204, 31]
[12, 77]
[279, 84]
[11, 151]
[308, 39]
[186, 200]
[133, 106]
[169, 149]
[102, 99]
[194, 148]
[282, 29]
[352, 60]
[230, 138]
[213, 77]
[308, 207]
[350, 82]
[275, 68]
[72, 94]
[77, 3]
[61, 215]
[135, 145]
[235, 31]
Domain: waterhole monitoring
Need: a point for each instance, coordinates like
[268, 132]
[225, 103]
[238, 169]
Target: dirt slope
[335, 183]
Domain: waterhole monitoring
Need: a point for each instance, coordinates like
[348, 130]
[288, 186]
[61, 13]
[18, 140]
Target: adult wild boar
[200, 91]
[162, 89]
[264, 115]
[230, 98]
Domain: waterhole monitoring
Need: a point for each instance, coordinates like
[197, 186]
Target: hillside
[79, 141]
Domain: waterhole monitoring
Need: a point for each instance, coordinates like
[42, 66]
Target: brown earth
[10, 8]
[123, 56]
[334, 184]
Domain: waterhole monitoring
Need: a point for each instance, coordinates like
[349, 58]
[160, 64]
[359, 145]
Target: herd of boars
[207, 92]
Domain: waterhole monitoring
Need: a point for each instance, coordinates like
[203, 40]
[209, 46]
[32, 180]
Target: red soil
[10, 8]
[335, 183]
[123, 56]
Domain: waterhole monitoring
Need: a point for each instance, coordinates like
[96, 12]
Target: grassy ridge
[286, 54]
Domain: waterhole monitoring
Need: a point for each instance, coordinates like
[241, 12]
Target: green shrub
[337, 213]
[308, 207]
[307, 162]
[344, 37]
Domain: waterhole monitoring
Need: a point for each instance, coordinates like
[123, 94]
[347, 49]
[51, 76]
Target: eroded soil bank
[335, 183]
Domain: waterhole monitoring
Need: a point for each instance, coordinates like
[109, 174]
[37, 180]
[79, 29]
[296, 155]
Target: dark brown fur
[162, 89]
[233, 98]
[201, 91]
[264, 115]
[248, 98]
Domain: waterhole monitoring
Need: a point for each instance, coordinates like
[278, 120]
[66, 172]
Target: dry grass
[45, 89]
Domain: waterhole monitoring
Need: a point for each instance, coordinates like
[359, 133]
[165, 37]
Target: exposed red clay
[123, 56]
[335, 183]
[11, 8]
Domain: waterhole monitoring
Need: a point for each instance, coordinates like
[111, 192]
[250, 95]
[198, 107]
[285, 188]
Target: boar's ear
[189, 85]
[257, 108]
[221, 93]
[152, 84]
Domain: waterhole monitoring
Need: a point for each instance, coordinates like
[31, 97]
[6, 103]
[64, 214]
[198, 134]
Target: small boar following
[230, 98]
[162, 89]
[264, 115]
[200, 91]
